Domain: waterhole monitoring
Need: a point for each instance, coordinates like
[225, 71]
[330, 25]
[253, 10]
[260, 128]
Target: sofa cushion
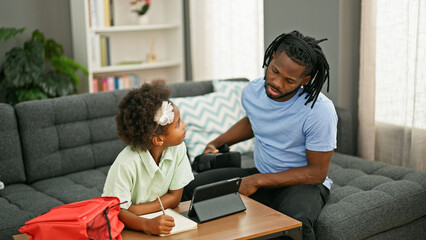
[11, 163]
[207, 116]
[189, 89]
[69, 134]
[369, 197]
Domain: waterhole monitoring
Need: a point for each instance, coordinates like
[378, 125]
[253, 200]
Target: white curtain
[392, 91]
[226, 38]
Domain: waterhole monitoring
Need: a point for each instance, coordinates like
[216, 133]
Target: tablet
[216, 200]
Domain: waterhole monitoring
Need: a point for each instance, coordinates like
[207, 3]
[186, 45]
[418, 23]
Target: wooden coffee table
[257, 222]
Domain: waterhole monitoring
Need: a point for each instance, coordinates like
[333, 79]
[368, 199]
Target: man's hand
[240, 131]
[248, 185]
[162, 224]
[210, 148]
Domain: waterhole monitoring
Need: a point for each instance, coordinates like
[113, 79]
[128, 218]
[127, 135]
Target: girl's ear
[157, 140]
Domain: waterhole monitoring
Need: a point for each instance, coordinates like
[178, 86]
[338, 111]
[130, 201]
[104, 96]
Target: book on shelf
[101, 13]
[95, 85]
[182, 223]
[100, 18]
[111, 12]
[104, 83]
[96, 53]
[134, 80]
[108, 52]
[126, 82]
[104, 51]
[111, 83]
[107, 13]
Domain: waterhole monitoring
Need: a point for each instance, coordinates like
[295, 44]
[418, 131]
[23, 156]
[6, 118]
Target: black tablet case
[216, 200]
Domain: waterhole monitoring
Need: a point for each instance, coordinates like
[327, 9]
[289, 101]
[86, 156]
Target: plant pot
[143, 19]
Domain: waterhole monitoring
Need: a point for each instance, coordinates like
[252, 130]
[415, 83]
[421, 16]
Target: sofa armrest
[345, 140]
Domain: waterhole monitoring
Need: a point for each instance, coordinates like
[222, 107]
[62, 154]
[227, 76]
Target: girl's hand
[162, 224]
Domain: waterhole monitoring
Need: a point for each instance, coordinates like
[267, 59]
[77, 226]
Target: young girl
[154, 162]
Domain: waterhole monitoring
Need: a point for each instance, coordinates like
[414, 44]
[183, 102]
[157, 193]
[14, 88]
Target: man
[294, 126]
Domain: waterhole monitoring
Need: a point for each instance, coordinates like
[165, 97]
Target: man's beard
[282, 95]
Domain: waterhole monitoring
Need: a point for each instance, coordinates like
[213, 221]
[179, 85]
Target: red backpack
[95, 218]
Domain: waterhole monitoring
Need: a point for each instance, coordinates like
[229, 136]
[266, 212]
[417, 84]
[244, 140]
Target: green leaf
[38, 36]
[68, 67]
[23, 66]
[56, 84]
[53, 49]
[142, 10]
[8, 33]
[30, 94]
[15, 95]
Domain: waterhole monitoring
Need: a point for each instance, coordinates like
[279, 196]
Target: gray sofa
[58, 151]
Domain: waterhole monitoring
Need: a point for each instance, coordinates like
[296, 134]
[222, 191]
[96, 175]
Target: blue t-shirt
[284, 130]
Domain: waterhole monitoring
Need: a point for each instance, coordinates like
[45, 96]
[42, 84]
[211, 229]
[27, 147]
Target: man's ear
[306, 80]
[157, 140]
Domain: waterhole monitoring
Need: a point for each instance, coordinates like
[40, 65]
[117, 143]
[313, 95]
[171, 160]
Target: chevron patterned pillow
[208, 116]
[222, 86]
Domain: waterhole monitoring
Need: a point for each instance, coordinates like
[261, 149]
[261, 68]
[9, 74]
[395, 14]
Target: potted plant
[37, 69]
[141, 8]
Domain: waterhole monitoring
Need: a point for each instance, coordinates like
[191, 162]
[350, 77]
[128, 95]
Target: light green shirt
[135, 177]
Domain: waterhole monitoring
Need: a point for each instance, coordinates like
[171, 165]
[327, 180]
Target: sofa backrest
[11, 162]
[68, 134]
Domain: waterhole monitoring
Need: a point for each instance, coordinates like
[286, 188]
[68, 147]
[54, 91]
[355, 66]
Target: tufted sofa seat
[373, 200]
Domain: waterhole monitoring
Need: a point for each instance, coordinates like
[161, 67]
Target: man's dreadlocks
[304, 51]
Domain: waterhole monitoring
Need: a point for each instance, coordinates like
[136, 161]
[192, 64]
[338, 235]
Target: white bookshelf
[130, 42]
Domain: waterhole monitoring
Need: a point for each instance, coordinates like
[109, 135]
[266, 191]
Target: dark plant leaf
[38, 36]
[27, 94]
[53, 49]
[56, 84]
[8, 33]
[142, 10]
[23, 66]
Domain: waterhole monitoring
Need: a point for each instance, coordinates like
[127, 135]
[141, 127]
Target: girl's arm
[162, 224]
[169, 200]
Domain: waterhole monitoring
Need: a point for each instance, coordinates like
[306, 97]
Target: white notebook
[182, 223]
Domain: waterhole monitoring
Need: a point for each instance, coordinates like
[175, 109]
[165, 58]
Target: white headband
[165, 114]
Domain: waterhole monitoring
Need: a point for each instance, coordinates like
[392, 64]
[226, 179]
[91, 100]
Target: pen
[161, 204]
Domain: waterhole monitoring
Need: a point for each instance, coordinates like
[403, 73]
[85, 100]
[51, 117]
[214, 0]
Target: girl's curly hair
[135, 118]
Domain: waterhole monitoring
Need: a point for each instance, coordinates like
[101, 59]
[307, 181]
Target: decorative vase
[143, 19]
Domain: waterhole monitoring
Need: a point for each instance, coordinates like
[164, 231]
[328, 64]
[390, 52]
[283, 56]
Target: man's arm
[313, 173]
[240, 131]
